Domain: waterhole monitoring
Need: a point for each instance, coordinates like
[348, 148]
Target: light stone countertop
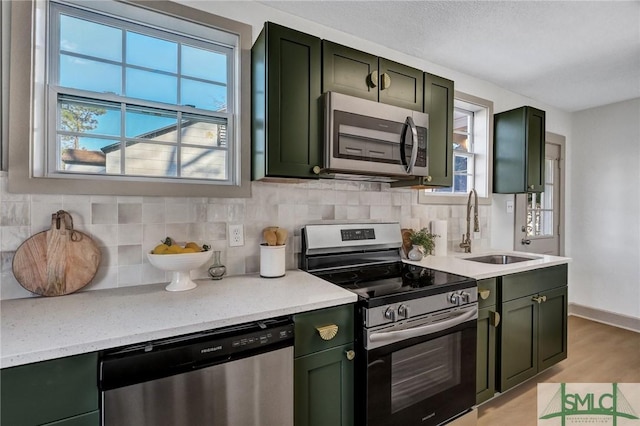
[42, 328]
[455, 263]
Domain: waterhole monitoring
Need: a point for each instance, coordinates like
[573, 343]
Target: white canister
[272, 261]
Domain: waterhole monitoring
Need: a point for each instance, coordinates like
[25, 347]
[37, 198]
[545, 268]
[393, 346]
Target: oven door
[425, 379]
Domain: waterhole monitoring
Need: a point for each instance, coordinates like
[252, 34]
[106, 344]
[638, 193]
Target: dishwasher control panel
[249, 341]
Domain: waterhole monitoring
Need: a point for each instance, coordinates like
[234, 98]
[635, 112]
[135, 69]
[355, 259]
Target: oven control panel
[412, 308]
[357, 234]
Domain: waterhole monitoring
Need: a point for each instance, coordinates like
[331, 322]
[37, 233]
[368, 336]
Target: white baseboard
[605, 317]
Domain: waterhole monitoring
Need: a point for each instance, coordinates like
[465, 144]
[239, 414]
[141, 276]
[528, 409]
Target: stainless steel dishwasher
[236, 376]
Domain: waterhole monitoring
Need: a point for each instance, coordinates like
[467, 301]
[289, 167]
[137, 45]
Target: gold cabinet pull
[539, 299]
[327, 332]
[385, 81]
[373, 79]
[494, 318]
[484, 293]
[351, 354]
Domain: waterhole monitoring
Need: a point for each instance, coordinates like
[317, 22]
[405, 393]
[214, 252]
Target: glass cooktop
[387, 283]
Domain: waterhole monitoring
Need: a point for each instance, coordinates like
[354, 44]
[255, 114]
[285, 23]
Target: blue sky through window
[91, 58]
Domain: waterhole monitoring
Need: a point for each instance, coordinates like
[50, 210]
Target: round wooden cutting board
[58, 261]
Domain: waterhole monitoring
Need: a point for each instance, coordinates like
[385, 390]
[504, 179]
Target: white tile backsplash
[126, 228]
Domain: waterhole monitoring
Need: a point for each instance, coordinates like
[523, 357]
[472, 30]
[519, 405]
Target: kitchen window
[147, 96]
[472, 124]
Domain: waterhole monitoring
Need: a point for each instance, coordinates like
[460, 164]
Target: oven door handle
[387, 336]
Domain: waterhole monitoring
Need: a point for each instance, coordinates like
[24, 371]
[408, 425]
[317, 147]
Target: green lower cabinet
[552, 328]
[62, 391]
[533, 335]
[324, 388]
[486, 355]
[519, 342]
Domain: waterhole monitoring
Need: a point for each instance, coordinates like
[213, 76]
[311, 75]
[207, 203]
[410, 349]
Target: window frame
[26, 171]
[483, 153]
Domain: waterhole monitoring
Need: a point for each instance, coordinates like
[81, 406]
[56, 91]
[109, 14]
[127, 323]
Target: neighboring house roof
[82, 156]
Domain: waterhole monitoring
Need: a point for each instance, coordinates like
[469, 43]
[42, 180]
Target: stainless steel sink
[500, 259]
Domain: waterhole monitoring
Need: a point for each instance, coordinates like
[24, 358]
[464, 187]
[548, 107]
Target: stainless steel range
[416, 336]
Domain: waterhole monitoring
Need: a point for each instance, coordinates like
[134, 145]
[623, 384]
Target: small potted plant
[423, 243]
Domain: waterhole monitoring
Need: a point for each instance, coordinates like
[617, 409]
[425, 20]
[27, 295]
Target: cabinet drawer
[531, 282]
[46, 391]
[486, 292]
[307, 336]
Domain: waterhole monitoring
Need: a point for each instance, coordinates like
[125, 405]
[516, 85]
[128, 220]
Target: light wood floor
[597, 353]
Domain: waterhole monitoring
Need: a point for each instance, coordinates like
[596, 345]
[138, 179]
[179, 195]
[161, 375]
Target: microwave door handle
[414, 151]
[395, 336]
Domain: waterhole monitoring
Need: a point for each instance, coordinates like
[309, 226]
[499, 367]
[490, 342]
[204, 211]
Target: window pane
[204, 163]
[460, 121]
[201, 95]
[548, 170]
[89, 118]
[148, 159]
[152, 52]
[460, 183]
[460, 142]
[87, 158]
[204, 64]
[547, 222]
[151, 124]
[151, 86]
[88, 38]
[196, 131]
[85, 74]
[460, 164]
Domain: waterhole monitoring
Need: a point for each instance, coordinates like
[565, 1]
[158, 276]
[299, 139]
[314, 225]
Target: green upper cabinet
[352, 72]
[438, 103]
[286, 106]
[519, 147]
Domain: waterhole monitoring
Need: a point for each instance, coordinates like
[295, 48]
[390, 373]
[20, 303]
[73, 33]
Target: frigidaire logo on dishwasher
[210, 349]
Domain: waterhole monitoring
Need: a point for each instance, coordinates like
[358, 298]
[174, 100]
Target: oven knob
[390, 314]
[454, 298]
[466, 297]
[403, 310]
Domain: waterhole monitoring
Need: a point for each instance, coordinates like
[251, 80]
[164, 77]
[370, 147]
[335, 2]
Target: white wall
[605, 208]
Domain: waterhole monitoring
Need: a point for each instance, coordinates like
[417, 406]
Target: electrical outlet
[236, 235]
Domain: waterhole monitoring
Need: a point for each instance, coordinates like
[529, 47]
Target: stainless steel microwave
[373, 141]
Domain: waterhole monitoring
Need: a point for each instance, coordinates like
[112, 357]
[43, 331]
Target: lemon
[174, 249]
[194, 246]
[160, 249]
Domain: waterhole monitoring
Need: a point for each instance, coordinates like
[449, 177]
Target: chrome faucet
[466, 239]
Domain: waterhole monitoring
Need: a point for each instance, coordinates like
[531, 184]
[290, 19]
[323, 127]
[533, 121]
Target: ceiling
[571, 55]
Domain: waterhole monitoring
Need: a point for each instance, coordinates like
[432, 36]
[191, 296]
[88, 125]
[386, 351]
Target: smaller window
[471, 152]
